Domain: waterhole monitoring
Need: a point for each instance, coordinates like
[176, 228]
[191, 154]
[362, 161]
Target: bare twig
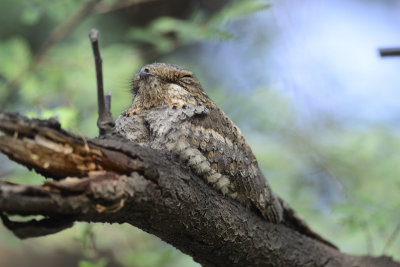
[107, 100]
[105, 121]
[94, 39]
[389, 52]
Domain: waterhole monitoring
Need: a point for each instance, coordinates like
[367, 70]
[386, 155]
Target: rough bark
[111, 180]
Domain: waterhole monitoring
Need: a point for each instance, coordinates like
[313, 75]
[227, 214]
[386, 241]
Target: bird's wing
[222, 143]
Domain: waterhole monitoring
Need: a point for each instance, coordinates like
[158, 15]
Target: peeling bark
[111, 180]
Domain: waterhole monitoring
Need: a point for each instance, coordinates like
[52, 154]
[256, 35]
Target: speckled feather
[171, 112]
[174, 115]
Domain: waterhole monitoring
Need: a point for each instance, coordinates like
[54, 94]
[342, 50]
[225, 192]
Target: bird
[171, 112]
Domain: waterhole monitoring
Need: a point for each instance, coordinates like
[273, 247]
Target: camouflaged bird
[171, 112]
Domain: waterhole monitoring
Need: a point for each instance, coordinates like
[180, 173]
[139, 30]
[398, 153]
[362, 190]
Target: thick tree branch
[113, 181]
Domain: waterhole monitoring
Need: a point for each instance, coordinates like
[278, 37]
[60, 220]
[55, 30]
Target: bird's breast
[178, 97]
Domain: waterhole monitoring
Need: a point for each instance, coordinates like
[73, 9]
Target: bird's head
[161, 84]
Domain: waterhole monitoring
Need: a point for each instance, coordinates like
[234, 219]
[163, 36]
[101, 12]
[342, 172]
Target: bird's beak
[145, 74]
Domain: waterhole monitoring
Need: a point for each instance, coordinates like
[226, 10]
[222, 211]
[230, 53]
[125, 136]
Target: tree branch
[111, 180]
[389, 52]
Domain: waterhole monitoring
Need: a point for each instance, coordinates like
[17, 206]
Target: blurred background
[302, 79]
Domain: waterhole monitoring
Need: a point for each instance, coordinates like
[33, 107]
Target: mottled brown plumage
[171, 112]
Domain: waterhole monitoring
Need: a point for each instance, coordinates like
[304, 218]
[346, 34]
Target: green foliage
[238, 9]
[87, 234]
[166, 33]
[155, 258]
[16, 53]
[99, 263]
[66, 116]
[33, 10]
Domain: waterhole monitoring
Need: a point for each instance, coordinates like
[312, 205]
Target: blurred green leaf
[238, 9]
[66, 116]
[30, 16]
[33, 10]
[156, 258]
[87, 232]
[165, 33]
[99, 263]
[15, 57]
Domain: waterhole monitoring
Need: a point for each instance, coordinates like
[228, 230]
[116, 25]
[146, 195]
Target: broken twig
[105, 121]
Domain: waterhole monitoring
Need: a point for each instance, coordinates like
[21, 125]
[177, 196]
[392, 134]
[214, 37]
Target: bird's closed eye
[188, 79]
